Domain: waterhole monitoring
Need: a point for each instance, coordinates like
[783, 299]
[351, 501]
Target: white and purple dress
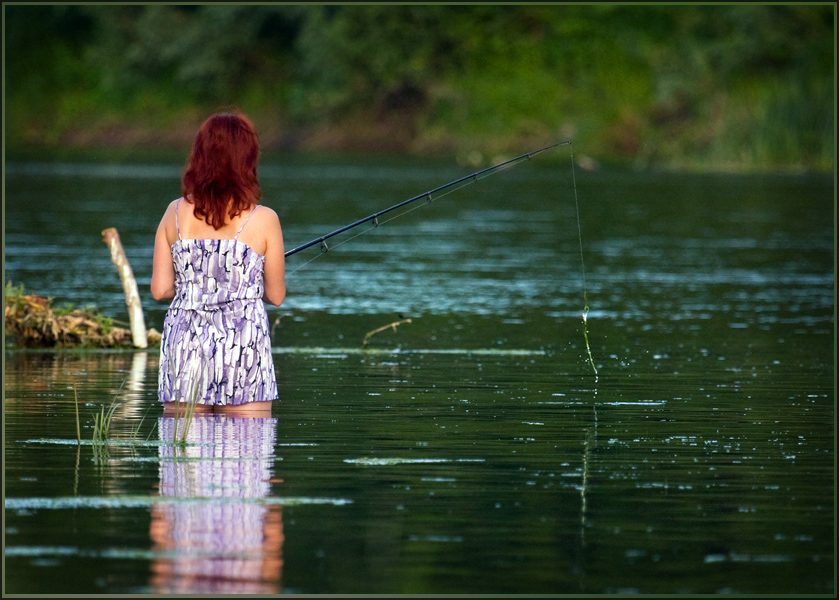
[216, 333]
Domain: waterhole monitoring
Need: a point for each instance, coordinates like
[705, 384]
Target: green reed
[102, 424]
[102, 420]
[136, 431]
[78, 425]
[192, 393]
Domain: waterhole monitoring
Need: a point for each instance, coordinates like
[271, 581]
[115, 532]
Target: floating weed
[112, 442]
[322, 350]
[136, 501]
[378, 462]
[393, 326]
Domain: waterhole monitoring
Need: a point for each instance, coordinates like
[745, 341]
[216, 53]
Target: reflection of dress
[217, 536]
[216, 330]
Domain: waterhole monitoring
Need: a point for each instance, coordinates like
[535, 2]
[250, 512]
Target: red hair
[220, 177]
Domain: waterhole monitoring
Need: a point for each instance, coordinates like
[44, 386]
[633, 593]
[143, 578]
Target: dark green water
[472, 450]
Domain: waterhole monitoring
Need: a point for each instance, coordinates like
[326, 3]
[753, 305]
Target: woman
[219, 255]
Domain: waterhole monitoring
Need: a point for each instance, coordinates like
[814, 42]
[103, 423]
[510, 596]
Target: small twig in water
[393, 326]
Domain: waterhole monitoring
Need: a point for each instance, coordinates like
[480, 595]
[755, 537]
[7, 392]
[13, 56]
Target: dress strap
[177, 225]
[246, 221]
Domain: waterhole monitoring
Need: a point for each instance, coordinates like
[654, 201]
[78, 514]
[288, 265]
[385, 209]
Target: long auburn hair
[222, 167]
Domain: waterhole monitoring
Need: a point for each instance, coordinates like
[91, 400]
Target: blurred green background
[742, 88]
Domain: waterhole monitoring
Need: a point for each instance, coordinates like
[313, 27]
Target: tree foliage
[636, 81]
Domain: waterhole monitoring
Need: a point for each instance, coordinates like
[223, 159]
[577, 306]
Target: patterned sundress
[216, 343]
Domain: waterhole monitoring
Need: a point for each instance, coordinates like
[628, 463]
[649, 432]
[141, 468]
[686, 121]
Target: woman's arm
[163, 270]
[274, 259]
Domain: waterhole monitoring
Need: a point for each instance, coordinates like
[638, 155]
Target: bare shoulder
[170, 210]
[267, 217]
[168, 224]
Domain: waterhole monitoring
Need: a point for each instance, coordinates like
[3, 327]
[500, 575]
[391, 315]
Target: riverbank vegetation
[701, 87]
[35, 322]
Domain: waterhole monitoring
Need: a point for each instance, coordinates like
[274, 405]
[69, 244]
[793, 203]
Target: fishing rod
[374, 218]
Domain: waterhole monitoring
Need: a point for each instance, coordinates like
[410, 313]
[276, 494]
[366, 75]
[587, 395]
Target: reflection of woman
[218, 535]
[219, 254]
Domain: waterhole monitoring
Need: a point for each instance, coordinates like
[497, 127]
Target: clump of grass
[193, 389]
[102, 427]
[101, 420]
[102, 423]
[101, 456]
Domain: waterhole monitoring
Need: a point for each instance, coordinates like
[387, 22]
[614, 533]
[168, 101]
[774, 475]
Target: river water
[474, 448]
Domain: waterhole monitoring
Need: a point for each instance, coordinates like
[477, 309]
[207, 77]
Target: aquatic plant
[136, 431]
[101, 458]
[102, 423]
[78, 426]
[191, 396]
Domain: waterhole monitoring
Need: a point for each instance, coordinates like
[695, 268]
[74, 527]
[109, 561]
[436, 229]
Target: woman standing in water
[219, 254]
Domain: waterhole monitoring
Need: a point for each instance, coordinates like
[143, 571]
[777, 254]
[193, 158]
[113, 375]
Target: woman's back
[218, 254]
[215, 274]
[244, 227]
[251, 242]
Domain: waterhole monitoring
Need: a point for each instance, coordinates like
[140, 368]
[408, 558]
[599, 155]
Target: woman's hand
[274, 258]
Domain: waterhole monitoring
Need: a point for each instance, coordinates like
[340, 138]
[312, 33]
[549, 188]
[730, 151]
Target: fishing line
[441, 192]
[582, 264]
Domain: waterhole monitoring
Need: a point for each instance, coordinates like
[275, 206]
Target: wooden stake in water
[129, 285]
[582, 266]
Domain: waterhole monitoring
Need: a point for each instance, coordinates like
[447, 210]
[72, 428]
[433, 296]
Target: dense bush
[701, 86]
